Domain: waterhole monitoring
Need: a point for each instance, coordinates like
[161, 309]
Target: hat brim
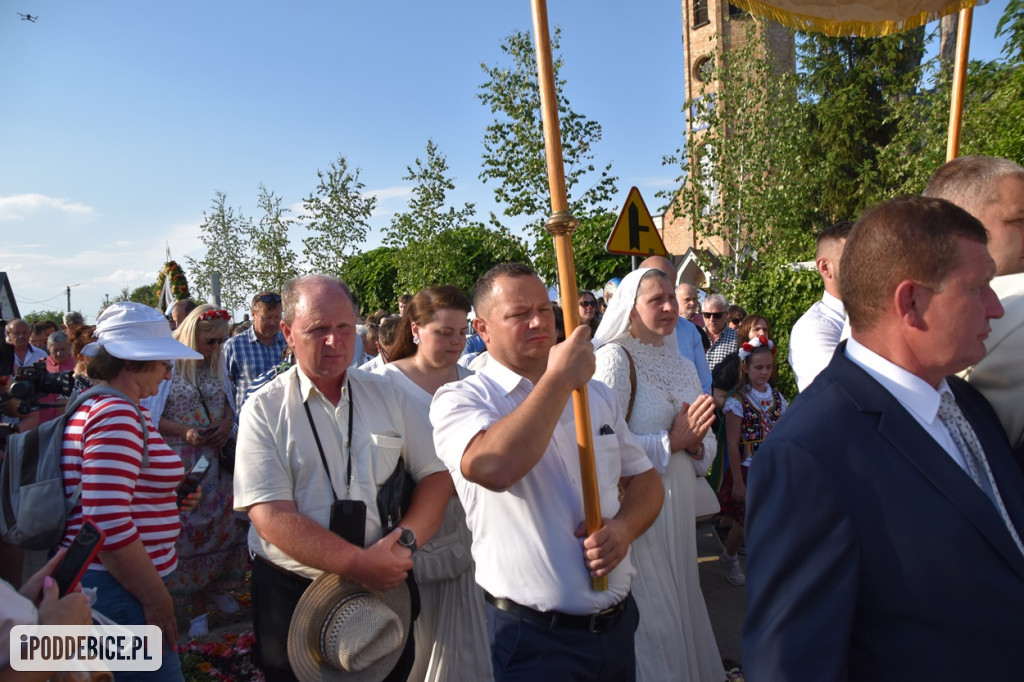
[304, 632]
[144, 349]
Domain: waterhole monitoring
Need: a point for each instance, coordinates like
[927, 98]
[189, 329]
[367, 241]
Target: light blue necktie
[962, 433]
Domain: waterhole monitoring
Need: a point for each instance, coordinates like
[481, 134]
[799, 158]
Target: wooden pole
[956, 102]
[561, 226]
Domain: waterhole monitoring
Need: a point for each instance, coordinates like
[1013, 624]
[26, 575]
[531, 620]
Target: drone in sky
[28, 17]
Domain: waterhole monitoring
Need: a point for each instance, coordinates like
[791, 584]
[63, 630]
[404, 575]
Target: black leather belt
[594, 623]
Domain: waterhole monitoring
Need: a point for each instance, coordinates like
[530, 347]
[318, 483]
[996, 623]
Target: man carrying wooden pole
[541, 482]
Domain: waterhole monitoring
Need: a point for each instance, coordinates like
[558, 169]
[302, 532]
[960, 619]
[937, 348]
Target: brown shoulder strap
[632, 383]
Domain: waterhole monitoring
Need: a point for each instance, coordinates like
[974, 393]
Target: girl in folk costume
[750, 414]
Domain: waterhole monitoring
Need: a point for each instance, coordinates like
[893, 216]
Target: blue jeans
[118, 604]
[523, 651]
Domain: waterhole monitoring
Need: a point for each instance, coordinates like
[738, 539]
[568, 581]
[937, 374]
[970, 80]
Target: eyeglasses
[168, 365]
[717, 316]
[588, 304]
[217, 341]
[266, 298]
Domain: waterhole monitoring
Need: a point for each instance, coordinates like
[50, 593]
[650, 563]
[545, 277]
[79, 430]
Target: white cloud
[23, 206]
[395, 192]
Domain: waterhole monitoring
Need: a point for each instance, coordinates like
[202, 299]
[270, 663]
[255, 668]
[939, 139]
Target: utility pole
[68, 291]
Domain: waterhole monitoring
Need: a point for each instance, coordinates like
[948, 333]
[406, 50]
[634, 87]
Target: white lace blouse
[664, 381]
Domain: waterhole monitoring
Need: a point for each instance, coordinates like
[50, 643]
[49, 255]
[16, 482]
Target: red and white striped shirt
[103, 449]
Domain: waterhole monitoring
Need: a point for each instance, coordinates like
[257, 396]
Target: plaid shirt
[719, 349]
[247, 359]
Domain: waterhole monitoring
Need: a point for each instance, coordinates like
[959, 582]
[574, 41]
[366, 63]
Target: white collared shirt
[911, 391]
[523, 538]
[278, 458]
[814, 338]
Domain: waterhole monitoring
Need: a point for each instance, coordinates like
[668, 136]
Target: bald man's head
[660, 263]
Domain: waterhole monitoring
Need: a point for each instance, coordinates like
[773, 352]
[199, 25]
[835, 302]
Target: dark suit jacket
[871, 554]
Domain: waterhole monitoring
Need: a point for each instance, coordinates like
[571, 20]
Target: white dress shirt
[911, 391]
[279, 459]
[814, 339]
[524, 540]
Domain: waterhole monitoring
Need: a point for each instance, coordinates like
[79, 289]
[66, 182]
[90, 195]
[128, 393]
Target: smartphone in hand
[192, 479]
[78, 556]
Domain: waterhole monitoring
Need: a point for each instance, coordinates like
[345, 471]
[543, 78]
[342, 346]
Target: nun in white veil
[659, 392]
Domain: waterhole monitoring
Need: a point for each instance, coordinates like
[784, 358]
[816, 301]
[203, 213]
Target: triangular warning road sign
[634, 233]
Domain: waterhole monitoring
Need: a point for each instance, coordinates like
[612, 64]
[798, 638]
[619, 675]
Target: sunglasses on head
[267, 298]
[717, 316]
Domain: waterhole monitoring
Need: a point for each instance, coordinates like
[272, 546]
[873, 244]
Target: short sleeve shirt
[524, 540]
[278, 458]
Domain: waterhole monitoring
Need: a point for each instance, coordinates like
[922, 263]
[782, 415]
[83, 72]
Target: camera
[33, 381]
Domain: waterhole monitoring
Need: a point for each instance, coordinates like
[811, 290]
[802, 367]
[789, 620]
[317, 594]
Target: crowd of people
[404, 492]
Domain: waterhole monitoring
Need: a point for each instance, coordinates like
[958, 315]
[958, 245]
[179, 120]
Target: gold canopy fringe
[837, 28]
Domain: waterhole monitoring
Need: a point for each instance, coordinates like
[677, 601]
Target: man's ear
[825, 268]
[287, 331]
[480, 325]
[911, 300]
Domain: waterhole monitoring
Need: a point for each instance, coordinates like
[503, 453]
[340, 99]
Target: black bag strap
[320, 447]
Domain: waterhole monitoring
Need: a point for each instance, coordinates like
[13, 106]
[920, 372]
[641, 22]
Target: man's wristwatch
[408, 539]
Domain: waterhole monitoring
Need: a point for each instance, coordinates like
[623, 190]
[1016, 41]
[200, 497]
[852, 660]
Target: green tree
[274, 262]
[462, 255]
[513, 154]
[418, 229]
[223, 233]
[372, 276]
[594, 265]
[747, 179]
[337, 211]
[428, 213]
[42, 315]
[853, 88]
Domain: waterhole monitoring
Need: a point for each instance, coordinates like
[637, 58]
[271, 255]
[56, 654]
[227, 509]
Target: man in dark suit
[882, 543]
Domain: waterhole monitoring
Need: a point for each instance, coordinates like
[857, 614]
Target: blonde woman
[197, 420]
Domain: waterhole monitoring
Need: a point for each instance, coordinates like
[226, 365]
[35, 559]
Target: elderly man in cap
[992, 190]
[315, 445]
[885, 511]
[507, 435]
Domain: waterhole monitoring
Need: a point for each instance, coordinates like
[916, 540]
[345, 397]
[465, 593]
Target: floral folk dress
[212, 544]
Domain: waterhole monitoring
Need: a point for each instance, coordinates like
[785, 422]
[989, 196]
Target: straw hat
[133, 331]
[344, 631]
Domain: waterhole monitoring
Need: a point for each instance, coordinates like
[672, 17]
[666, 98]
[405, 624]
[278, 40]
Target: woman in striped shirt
[129, 495]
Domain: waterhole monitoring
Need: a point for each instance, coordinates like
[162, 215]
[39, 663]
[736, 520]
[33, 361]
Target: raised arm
[499, 456]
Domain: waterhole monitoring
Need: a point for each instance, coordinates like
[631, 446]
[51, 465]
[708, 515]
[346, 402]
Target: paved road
[726, 604]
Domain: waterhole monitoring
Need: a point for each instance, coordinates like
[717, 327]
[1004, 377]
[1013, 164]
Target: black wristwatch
[408, 539]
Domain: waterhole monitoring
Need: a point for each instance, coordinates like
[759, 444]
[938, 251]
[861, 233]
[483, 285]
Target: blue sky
[120, 120]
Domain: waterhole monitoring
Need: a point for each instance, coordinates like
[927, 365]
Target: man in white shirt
[992, 190]
[315, 435]
[25, 353]
[885, 509]
[817, 333]
[507, 435]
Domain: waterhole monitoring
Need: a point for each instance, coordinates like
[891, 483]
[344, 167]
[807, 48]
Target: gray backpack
[33, 509]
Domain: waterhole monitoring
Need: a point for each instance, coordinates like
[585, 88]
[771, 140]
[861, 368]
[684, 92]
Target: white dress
[675, 640]
[451, 631]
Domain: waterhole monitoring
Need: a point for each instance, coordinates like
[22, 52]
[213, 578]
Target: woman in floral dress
[196, 421]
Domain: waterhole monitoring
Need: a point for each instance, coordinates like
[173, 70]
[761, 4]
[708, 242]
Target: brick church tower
[711, 27]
